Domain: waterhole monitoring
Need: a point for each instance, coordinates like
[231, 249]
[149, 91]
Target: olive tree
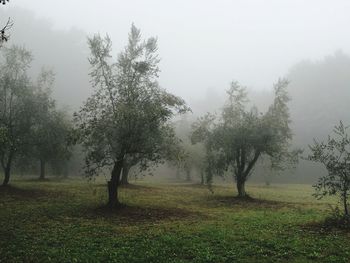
[128, 111]
[51, 129]
[334, 154]
[176, 156]
[188, 159]
[16, 106]
[241, 136]
[202, 133]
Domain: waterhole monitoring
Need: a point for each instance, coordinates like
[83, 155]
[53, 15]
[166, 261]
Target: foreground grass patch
[65, 221]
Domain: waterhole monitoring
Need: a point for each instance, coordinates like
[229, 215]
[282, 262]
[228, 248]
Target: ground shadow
[25, 193]
[138, 187]
[49, 179]
[136, 214]
[130, 186]
[331, 224]
[191, 185]
[246, 202]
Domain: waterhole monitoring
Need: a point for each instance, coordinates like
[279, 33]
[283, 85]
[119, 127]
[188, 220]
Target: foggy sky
[206, 44]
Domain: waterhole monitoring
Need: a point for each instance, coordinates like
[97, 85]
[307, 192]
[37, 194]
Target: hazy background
[204, 45]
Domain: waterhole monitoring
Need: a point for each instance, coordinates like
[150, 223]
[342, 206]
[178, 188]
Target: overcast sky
[206, 44]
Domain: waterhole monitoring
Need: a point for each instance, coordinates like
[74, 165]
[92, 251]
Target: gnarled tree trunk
[243, 169]
[241, 188]
[113, 184]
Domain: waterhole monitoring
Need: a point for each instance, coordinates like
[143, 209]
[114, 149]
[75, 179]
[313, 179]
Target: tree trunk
[42, 169]
[7, 171]
[65, 172]
[202, 178]
[178, 174]
[188, 175]
[241, 188]
[7, 176]
[113, 184]
[243, 170]
[346, 211]
[125, 174]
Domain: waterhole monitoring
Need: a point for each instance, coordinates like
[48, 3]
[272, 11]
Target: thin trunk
[42, 169]
[125, 174]
[113, 184]
[7, 176]
[202, 178]
[188, 175]
[65, 172]
[345, 202]
[7, 170]
[178, 174]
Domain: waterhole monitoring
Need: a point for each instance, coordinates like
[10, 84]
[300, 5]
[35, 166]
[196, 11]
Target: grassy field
[64, 221]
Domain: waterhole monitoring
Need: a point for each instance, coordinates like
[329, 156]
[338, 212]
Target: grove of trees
[128, 123]
[30, 124]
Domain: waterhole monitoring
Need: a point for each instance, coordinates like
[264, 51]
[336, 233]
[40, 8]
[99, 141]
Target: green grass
[64, 221]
